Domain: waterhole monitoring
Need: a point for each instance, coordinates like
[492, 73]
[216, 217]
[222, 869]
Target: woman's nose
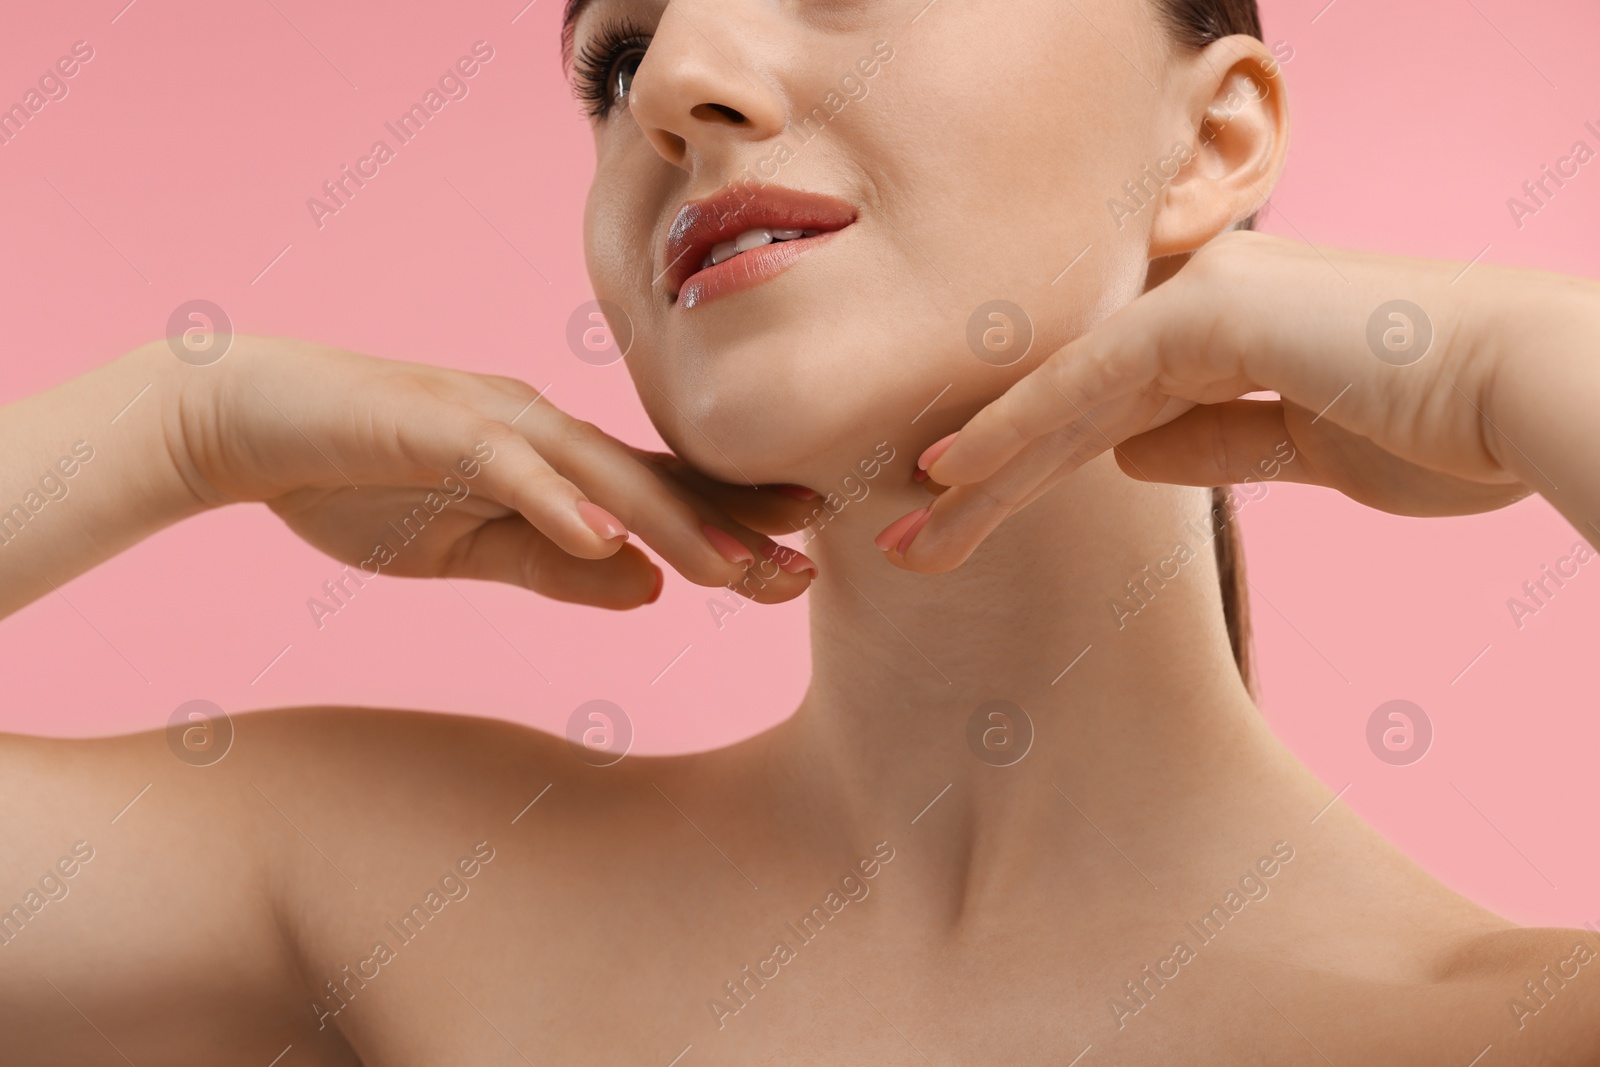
[701, 88]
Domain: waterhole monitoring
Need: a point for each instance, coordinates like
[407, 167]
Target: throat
[985, 708]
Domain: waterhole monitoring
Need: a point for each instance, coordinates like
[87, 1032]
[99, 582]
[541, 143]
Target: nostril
[723, 110]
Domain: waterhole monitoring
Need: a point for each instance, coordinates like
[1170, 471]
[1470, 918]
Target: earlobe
[1238, 138]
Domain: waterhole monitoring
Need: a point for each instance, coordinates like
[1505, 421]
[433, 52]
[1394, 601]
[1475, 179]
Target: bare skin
[978, 913]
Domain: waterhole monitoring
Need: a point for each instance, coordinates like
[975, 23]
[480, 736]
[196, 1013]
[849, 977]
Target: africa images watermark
[52, 87]
[1140, 591]
[1553, 577]
[410, 527]
[52, 887]
[53, 485]
[452, 887]
[1540, 991]
[851, 88]
[1253, 886]
[1146, 189]
[452, 85]
[853, 888]
[855, 489]
[1537, 192]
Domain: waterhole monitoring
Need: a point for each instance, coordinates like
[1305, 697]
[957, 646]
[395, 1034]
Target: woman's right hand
[466, 475]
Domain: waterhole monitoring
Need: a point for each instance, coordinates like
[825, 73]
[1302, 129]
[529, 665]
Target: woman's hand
[408, 469]
[1393, 404]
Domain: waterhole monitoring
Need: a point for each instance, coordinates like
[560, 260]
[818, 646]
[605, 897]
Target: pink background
[193, 139]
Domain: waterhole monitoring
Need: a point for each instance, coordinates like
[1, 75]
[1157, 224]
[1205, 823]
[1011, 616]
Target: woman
[1006, 824]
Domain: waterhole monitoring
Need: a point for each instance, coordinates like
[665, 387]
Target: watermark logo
[1399, 333]
[1000, 733]
[199, 733]
[199, 332]
[600, 732]
[599, 332]
[1000, 333]
[1399, 732]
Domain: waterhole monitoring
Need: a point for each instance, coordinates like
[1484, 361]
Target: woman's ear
[1237, 135]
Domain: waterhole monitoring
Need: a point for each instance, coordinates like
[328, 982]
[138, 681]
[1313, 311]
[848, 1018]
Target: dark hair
[1195, 24]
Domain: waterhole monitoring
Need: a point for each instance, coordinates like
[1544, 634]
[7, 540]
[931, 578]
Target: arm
[165, 903]
[1479, 392]
[341, 446]
[87, 469]
[1542, 418]
[138, 907]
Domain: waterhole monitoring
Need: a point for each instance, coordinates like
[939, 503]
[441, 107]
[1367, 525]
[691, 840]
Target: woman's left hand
[1386, 368]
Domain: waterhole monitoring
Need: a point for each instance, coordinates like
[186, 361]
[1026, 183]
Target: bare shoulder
[1540, 984]
[432, 765]
[397, 794]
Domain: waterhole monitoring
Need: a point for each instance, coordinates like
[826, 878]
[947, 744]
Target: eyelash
[594, 68]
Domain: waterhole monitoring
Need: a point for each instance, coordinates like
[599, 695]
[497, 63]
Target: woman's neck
[1096, 611]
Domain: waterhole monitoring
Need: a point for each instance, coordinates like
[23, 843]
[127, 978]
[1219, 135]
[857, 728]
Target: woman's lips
[702, 229]
[746, 269]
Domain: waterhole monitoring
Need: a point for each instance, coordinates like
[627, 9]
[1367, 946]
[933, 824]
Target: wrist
[184, 399]
[1543, 381]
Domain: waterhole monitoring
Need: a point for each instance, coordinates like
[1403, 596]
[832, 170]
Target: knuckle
[581, 433]
[1012, 422]
[493, 432]
[514, 387]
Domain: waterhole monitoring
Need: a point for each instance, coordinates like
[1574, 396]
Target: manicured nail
[601, 521]
[661, 580]
[727, 546]
[935, 450]
[911, 534]
[896, 530]
[789, 559]
[799, 492]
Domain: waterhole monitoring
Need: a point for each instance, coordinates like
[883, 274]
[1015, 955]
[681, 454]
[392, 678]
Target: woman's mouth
[743, 236]
[749, 241]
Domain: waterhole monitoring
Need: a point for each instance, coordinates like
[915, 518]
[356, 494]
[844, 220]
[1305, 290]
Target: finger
[964, 515]
[1039, 405]
[969, 513]
[769, 509]
[513, 474]
[1148, 352]
[1216, 444]
[694, 537]
[1247, 441]
[509, 550]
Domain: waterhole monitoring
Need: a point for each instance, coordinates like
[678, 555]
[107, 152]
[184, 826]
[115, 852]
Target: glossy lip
[701, 225]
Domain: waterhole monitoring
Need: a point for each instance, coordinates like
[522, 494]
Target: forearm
[86, 470]
[1542, 416]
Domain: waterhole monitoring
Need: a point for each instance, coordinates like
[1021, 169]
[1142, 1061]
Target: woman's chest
[683, 981]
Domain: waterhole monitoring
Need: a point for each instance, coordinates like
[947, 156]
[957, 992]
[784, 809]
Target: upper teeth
[751, 239]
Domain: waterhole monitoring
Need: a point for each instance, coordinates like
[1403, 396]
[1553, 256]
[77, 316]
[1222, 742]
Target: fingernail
[935, 450]
[728, 547]
[919, 475]
[661, 581]
[789, 559]
[911, 534]
[896, 530]
[601, 521]
[799, 492]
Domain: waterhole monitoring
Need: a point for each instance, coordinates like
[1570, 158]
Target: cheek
[616, 238]
[994, 195]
